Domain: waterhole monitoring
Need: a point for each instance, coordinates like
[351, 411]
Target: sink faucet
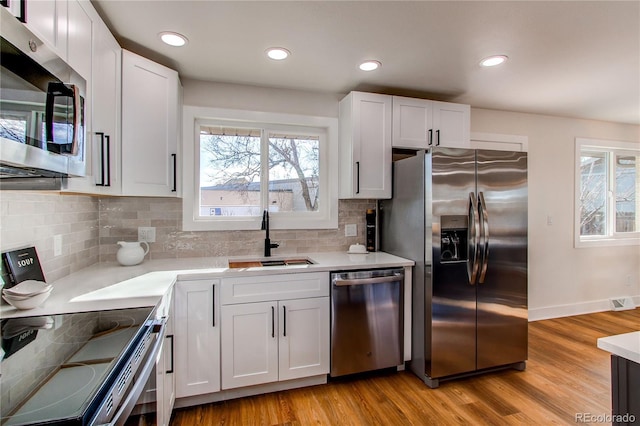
[268, 245]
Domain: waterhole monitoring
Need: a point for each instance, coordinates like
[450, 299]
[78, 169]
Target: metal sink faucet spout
[268, 245]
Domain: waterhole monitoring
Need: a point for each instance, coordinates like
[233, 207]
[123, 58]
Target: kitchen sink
[264, 262]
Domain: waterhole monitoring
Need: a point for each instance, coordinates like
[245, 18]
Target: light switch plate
[351, 230]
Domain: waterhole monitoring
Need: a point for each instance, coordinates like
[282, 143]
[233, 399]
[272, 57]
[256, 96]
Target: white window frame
[327, 215]
[612, 238]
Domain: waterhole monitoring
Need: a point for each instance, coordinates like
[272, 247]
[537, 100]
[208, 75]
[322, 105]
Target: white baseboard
[558, 311]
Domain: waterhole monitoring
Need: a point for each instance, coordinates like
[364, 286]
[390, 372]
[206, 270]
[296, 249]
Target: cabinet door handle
[430, 137]
[357, 177]
[273, 322]
[438, 137]
[213, 306]
[170, 370]
[175, 172]
[101, 134]
[284, 328]
[108, 158]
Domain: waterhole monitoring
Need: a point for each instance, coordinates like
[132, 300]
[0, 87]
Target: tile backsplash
[31, 218]
[120, 218]
[89, 228]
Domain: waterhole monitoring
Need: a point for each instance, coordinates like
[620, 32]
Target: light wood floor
[566, 374]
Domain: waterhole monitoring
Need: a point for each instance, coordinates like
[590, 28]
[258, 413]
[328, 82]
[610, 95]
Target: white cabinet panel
[451, 123]
[274, 287]
[250, 350]
[421, 123]
[150, 109]
[412, 124]
[48, 20]
[79, 38]
[303, 344]
[365, 146]
[197, 338]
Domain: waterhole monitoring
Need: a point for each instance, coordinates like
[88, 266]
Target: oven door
[133, 377]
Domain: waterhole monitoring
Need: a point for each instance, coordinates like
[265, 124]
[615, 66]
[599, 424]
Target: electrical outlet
[147, 233]
[57, 245]
[351, 230]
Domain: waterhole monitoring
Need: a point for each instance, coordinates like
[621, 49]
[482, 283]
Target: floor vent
[621, 303]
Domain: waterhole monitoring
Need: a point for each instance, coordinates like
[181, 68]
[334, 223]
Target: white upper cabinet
[48, 20]
[103, 175]
[420, 123]
[365, 145]
[66, 27]
[79, 37]
[150, 111]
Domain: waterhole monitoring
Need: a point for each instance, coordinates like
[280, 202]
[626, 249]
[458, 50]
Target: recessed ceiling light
[278, 53]
[492, 61]
[173, 39]
[370, 65]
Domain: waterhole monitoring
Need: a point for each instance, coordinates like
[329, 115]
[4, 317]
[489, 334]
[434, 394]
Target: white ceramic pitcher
[130, 254]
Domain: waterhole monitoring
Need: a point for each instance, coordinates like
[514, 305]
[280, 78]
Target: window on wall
[607, 182]
[244, 171]
[244, 167]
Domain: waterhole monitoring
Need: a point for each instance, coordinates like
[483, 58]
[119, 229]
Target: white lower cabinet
[274, 328]
[165, 377]
[160, 391]
[273, 341]
[197, 337]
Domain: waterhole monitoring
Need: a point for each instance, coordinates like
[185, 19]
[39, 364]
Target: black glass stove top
[54, 368]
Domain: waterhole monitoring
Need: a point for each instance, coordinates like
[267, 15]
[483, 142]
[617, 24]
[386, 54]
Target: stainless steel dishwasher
[366, 320]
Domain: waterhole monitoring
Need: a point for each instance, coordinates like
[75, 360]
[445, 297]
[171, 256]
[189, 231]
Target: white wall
[564, 280]
[255, 98]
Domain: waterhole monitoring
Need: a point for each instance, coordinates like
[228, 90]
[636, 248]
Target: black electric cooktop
[55, 369]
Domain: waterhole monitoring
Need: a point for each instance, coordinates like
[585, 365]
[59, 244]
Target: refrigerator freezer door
[502, 289]
[450, 343]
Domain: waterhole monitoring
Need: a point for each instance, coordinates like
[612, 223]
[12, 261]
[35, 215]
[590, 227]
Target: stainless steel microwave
[42, 128]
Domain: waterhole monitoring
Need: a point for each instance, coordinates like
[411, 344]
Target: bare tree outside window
[595, 175]
[231, 172]
[593, 193]
[626, 189]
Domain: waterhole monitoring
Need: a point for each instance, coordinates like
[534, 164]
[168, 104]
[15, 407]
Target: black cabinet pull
[169, 371]
[284, 329]
[357, 177]
[108, 157]
[213, 306]
[175, 172]
[101, 134]
[430, 137]
[438, 137]
[273, 322]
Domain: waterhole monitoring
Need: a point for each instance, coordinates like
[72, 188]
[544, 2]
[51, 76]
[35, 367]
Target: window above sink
[239, 163]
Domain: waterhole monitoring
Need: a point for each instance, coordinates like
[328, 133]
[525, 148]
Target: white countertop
[111, 286]
[623, 345]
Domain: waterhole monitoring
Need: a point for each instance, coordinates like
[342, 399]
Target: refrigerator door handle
[484, 237]
[472, 240]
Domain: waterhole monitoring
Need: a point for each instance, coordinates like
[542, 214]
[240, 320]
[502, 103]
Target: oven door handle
[127, 405]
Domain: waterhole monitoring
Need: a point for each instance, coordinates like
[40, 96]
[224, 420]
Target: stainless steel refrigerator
[461, 215]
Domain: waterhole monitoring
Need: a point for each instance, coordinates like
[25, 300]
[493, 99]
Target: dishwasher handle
[339, 282]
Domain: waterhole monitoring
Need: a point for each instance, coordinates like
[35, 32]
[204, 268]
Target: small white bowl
[28, 288]
[27, 303]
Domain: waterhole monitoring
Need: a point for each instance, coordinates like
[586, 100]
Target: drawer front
[274, 287]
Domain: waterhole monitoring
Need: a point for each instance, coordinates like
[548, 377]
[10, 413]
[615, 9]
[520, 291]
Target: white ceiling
[566, 58]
